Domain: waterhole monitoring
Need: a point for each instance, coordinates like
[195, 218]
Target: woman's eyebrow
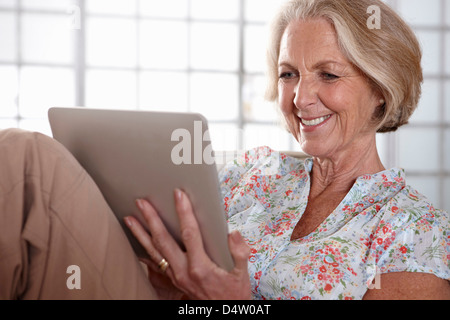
[323, 63]
[285, 64]
[317, 65]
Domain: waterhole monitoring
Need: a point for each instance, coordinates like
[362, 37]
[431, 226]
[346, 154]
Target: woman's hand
[161, 283]
[191, 272]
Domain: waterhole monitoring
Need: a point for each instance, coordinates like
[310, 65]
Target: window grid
[441, 174]
[241, 73]
[391, 141]
[18, 11]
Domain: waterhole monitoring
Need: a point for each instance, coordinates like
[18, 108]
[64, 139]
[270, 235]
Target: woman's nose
[305, 92]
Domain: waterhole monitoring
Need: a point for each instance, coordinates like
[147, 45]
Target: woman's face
[327, 103]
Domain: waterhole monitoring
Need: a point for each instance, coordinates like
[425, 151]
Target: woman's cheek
[285, 99]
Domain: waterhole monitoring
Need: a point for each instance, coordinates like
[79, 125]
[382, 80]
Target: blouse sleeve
[412, 236]
[233, 177]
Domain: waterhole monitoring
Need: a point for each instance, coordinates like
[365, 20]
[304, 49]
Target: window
[36, 62]
[423, 146]
[205, 56]
[202, 56]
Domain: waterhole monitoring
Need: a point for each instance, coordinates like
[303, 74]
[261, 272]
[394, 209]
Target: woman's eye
[287, 75]
[329, 76]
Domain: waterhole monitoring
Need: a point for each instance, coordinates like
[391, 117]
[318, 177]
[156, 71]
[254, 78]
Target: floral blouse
[382, 225]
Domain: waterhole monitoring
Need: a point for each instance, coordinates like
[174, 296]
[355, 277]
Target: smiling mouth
[314, 122]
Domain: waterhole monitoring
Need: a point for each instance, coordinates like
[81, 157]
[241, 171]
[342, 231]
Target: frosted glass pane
[418, 149]
[164, 44]
[215, 46]
[215, 95]
[42, 88]
[224, 137]
[111, 42]
[382, 147]
[447, 51]
[265, 135]
[57, 5]
[8, 92]
[431, 45]
[447, 14]
[38, 125]
[261, 11]
[420, 12]
[384, 142]
[447, 151]
[429, 104]
[8, 3]
[446, 205]
[46, 38]
[215, 9]
[447, 101]
[166, 8]
[111, 89]
[8, 37]
[8, 123]
[165, 91]
[124, 7]
[428, 186]
[255, 107]
[255, 45]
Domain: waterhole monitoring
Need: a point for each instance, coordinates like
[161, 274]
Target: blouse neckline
[368, 189]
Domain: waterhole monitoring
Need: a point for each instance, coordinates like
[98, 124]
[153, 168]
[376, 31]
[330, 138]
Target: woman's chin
[315, 149]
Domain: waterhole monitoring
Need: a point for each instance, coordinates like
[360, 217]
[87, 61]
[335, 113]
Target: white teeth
[314, 122]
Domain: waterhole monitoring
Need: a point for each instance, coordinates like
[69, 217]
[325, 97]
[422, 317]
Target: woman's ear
[380, 109]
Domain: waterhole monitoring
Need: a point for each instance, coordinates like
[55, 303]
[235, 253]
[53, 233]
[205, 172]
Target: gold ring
[163, 265]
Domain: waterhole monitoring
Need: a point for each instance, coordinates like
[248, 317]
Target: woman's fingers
[192, 239]
[239, 249]
[191, 271]
[190, 231]
[159, 243]
[143, 237]
[162, 239]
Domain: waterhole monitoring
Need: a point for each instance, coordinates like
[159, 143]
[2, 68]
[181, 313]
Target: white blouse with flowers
[382, 225]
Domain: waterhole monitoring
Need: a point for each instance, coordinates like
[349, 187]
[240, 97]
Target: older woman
[338, 224]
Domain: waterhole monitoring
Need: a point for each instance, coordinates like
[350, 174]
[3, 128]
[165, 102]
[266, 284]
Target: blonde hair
[389, 57]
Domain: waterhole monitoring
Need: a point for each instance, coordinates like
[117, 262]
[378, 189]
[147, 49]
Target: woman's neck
[340, 171]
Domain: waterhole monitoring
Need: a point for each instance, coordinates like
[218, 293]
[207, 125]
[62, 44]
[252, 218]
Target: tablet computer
[147, 154]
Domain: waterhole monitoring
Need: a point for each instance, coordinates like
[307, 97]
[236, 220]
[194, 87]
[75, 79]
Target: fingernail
[178, 195]
[236, 236]
[139, 204]
[128, 221]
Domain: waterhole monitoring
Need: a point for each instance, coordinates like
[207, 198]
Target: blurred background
[203, 56]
